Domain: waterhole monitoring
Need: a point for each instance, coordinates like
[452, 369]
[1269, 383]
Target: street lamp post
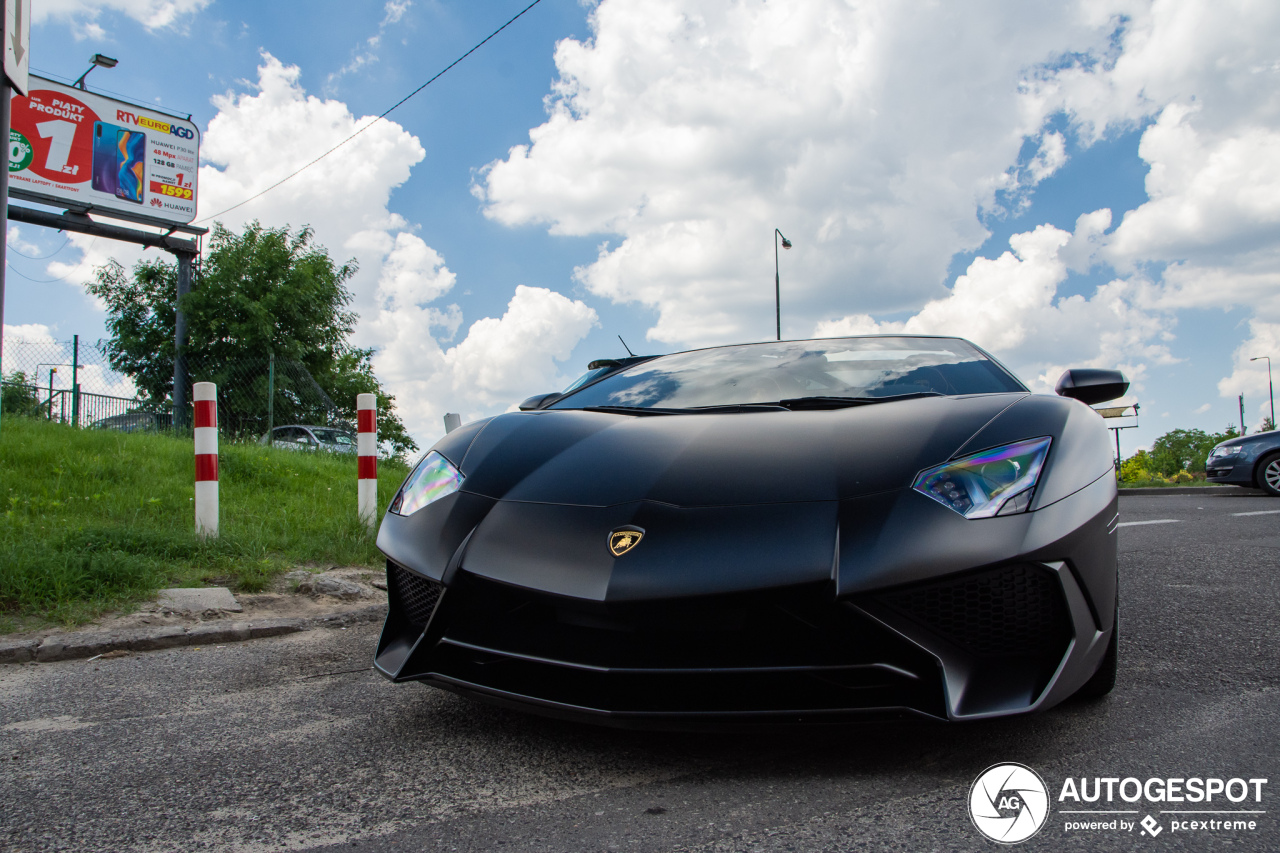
[96, 61]
[777, 279]
[53, 368]
[1270, 387]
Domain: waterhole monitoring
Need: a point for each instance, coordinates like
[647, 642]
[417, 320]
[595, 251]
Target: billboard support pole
[6, 93]
[185, 263]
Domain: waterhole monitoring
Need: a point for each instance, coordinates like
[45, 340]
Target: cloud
[13, 240]
[872, 135]
[1010, 306]
[1252, 378]
[500, 362]
[367, 54]
[83, 15]
[263, 134]
[33, 333]
[1200, 410]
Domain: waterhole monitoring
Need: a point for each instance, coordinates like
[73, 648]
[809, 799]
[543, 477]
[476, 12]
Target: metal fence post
[180, 378]
[271, 396]
[367, 451]
[75, 380]
[205, 396]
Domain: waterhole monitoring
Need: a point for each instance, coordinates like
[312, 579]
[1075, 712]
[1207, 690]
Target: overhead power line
[393, 107]
[41, 257]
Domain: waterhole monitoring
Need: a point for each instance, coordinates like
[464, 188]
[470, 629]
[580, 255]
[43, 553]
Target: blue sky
[901, 152]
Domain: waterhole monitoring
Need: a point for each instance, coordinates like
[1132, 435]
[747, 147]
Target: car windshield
[863, 369]
[333, 436]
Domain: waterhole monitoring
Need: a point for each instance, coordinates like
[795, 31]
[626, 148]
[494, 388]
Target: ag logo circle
[1009, 803]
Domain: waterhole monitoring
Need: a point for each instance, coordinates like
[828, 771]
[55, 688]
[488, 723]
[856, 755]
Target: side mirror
[538, 401]
[1091, 386]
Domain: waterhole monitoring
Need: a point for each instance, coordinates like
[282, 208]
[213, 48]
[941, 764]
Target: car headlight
[999, 481]
[434, 478]
[1224, 452]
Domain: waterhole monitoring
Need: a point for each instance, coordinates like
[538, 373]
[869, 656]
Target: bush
[1137, 468]
[20, 397]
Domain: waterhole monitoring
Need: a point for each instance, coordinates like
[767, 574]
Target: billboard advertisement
[70, 146]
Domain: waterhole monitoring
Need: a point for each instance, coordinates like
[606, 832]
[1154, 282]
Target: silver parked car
[306, 437]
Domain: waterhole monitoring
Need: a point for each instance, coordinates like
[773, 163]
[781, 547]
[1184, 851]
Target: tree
[1184, 450]
[264, 292]
[21, 397]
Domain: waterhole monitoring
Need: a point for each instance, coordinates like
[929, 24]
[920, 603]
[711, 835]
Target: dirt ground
[283, 600]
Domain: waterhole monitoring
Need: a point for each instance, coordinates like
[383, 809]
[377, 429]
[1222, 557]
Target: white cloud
[1051, 157]
[367, 53]
[1251, 378]
[259, 136]
[1010, 306]
[13, 239]
[394, 10]
[34, 333]
[870, 134]
[1200, 410]
[83, 15]
[500, 362]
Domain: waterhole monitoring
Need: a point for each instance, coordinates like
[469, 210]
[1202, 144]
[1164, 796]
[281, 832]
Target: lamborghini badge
[622, 541]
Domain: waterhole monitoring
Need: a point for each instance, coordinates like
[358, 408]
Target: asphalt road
[294, 743]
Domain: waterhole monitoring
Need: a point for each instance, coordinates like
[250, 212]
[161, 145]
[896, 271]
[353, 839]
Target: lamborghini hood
[584, 458]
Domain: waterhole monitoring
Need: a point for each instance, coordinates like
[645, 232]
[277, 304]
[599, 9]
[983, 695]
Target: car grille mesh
[415, 595]
[1013, 610]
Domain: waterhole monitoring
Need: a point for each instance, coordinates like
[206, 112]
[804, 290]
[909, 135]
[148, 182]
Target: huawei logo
[624, 539]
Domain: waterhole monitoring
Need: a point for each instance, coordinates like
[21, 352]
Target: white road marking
[1260, 512]
[1156, 521]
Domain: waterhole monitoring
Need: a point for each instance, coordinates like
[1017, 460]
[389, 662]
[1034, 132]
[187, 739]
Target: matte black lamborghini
[794, 531]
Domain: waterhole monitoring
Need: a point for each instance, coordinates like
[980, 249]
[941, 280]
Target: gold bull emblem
[622, 541]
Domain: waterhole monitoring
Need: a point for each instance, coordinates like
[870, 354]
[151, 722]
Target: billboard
[88, 151]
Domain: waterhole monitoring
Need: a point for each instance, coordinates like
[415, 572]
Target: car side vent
[1013, 610]
[414, 595]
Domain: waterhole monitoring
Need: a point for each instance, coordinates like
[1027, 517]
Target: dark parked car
[1251, 460]
[300, 437]
[798, 531]
[136, 422]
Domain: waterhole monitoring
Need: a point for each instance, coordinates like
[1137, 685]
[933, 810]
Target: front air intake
[1010, 611]
[411, 593]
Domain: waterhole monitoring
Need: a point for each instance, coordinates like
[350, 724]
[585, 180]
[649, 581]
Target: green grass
[99, 520]
[1165, 484]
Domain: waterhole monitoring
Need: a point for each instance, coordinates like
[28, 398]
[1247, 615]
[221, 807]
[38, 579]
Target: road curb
[87, 644]
[1234, 491]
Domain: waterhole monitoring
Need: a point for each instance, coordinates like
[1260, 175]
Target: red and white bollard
[367, 449]
[205, 396]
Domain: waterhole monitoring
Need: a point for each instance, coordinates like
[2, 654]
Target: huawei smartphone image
[131, 151]
[105, 161]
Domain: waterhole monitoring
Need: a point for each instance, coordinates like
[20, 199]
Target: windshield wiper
[846, 402]
[732, 408]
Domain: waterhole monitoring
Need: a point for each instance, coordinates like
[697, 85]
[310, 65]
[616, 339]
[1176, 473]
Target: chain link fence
[72, 382]
[257, 394]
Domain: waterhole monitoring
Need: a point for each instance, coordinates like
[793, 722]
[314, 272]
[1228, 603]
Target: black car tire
[1269, 475]
[1104, 680]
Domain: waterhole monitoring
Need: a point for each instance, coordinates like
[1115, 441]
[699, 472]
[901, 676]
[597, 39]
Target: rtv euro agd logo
[1009, 803]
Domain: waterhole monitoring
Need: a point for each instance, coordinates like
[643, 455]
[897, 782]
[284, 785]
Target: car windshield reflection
[860, 369]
